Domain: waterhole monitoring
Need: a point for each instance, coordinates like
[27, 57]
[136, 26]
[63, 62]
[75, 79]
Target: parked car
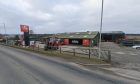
[136, 47]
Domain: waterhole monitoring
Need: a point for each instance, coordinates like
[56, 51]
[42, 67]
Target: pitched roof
[77, 35]
[113, 32]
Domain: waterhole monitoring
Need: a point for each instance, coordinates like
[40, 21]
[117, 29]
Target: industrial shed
[80, 38]
[38, 37]
[113, 36]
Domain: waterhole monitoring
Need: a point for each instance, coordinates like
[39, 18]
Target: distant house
[135, 37]
[1, 37]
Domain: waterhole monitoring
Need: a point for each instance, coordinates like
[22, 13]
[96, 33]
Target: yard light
[5, 31]
[101, 25]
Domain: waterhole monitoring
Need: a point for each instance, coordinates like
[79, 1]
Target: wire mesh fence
[84, 52]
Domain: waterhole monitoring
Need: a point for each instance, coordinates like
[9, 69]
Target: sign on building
[75, 41]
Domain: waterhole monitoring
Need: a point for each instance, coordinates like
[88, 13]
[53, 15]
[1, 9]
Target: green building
[88, 39]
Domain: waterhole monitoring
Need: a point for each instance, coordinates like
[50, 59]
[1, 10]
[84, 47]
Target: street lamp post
[5, 31]
[101, 25]
[5, 34]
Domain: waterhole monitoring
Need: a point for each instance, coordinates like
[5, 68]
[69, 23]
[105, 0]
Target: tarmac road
[23, 67]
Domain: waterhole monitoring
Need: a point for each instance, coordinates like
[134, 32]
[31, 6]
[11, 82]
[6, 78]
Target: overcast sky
[55, 16]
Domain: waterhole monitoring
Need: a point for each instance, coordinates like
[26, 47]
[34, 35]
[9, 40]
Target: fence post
[38, 48]
[109, 56]
[89, 53]
[60, 49]
[33, 48]
[74, 52]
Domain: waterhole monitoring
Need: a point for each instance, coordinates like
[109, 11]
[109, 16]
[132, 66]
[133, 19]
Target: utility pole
[101, 25]
[5, 32]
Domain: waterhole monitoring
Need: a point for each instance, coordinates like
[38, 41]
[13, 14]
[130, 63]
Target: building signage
[76, 41]
[24, 28]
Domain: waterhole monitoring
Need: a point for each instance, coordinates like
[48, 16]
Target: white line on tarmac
[121, 53]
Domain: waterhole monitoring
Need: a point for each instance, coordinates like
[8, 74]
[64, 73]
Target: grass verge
[65, 55]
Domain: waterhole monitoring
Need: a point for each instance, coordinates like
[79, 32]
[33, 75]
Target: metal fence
[87, 52]
[84, 52]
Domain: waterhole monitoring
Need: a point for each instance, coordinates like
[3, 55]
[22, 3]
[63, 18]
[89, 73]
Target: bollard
[33, 48]
[38, 48]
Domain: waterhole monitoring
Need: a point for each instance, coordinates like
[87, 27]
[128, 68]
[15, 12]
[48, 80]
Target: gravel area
[123, 57]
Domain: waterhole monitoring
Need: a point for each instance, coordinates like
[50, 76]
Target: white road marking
[133, 54]
[126, 73]
[121, 53]
[79, 66]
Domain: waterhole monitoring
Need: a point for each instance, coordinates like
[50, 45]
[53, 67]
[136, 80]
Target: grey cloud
[53, 16]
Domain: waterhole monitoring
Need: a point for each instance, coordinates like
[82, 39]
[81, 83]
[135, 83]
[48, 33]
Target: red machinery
[52, 43]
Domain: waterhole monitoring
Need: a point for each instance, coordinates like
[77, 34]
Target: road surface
[23, 67]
